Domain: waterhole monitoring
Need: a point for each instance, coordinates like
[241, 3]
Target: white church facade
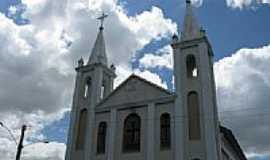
[142, 121]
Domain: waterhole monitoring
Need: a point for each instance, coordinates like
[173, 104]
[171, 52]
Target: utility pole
[20, 145]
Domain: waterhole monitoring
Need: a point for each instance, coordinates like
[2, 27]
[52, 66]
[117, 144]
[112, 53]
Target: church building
[139, 120]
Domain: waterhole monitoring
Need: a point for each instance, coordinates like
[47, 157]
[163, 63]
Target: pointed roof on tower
[191, 26]
[98, 54]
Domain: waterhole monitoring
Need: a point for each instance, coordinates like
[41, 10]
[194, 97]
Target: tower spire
[191, 27]
[98, 54]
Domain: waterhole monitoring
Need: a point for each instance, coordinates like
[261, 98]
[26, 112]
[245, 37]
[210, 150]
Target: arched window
[165, 131]
[131, 138]
[192, 70]
[102, 91]
[194, 116]
[101, 138]
[80, 141]
[87, 87]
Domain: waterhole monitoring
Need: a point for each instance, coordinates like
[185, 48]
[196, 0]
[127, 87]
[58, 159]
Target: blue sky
[229, 29]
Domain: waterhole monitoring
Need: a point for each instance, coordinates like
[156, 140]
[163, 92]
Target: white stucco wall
[149, 113]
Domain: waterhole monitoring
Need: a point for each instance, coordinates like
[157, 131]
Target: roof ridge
[153, 84]
[130, 77]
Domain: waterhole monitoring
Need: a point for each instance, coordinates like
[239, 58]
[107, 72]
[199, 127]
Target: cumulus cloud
[243, 85]
[37, 62]
[51, 151]
[152, 77]
[37, 76]
[12, 10]
[239, 3]
[245, 3]
[161, 58]
[39, 151]
[27, 73]
[123, 73]
[197, 3]
[35, 123]
[132, 32]
[265, 1]
[144, 25]
[236, 3]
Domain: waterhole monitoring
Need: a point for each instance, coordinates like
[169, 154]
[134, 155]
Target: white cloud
[243, 87]
[265, 1]
[39, 151]
[51, 151]
[132, 33]
[145, 25]
[7, 148]
[37, 76]
[35, 122]
[236, 3]
[12, 11]
[197, 2]
[152, 77]
[37, 62]
[239, 3]
[27, 76]
[162, 58]
[31, 3]
[123, 73]
[245, 3]
[15, 10]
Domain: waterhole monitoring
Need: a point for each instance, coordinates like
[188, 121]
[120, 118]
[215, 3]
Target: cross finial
[102, 18]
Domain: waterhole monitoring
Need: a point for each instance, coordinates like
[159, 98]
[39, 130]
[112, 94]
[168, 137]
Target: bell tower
[94, 81]
[196, 113]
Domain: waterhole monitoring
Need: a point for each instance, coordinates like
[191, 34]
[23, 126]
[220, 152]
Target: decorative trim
[129, 78]
[228, 135]
[139, 104]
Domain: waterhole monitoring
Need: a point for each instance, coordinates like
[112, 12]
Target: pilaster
[151, 132]
[111, 148]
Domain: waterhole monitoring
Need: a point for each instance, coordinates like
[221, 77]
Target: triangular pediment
[134, 89]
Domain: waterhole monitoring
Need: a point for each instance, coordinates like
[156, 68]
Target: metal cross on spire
[102, 18]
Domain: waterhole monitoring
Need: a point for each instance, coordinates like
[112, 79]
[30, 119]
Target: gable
[228, 135]
[134, 89]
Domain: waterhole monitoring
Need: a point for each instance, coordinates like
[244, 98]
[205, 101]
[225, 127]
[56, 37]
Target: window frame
[191, 66]
[81, 130]
[101, 138]
[194, 120]
[165, 131]
[132, 133]
[87, 87]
